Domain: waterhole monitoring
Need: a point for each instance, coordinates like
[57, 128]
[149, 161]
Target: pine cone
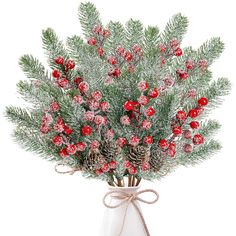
[157, 159]
[109, 150]
[138, 155]
[94, 160]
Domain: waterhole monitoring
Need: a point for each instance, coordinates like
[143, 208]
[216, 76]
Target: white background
[37, 201]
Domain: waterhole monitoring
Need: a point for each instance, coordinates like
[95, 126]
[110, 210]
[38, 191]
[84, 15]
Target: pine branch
[211, 50]
[208, 129]
[134, 33]
[22, 117]
[53, 47]
[175, 28]
[200, 154]
[88, 16]
[33, 68]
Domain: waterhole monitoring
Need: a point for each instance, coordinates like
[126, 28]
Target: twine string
[130, 198]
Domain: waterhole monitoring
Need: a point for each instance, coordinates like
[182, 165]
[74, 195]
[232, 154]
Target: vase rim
[123, 188]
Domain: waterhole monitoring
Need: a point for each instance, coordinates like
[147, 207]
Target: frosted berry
[125, 120]
[93, 104]
[128, 56]
[163, 143]
[70, 64]
[77, 80]
[99, 172]
[162, 48]
[59, 60]
[182, 74]
[63, 82]
[198, 139]
[187, 134]
[188, 148]
[97, 95]
[78, 99]
[100, 51]
[83, 87]
[112, 60]
[106, 33]
[203, 101]
[109, 134]
[113, 164]
[94, 145]
[148, 140]
[143, 100]
[181, 115]
[132, 170]
[81, 146]
[67, 130]
[104, 106]
[86, 130]
[171, 152]
[128, 105]
[105, 167]
[174, 43]
[115, 72]
[57, 140]
[56, 74]
[63, 152]
[44, 128]
[145, 166]
[136, 48]
[168, 81]
[99, 120]
[149, 111]
[92, 41]
[193, 113]
[146, 124]
[127, 164]
[194, 125]
[71, 149]
[121, 141]
[192, 93]
[54, 106]
[178, 52]
[177, 130]
[189, 64]
[134, 141]
[153, 93]
[143, 86]
[203, 64]
[120, 50]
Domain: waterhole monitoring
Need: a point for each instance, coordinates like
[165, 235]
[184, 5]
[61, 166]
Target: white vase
[113, 224]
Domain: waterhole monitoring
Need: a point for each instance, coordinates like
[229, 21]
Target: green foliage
[175, 28]
[208, 129]
[88, 16]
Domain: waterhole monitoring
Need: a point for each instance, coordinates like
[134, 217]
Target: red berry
[198, 139]
[143, 85]
[121, 141]
[115, 72]
[170, 152]
[57, 140]
[163, 143]
[86, 130]
[56, 74]
[71, 149]
[143, 100]
[149, 111]
[129, 106]
[112, 60]
[106, 33]
[153, 93]
[134, 140]
[203, 101]
[189, 64]
[83, 87]
[59, 60]
[78, 80]
[113, 164]
[136, 48]
[172, 146]
[178, 52]
[193, 113]
[194, 124]
[54, 106]
[162, 48]
[120, 50]
[105, 167]
[70, 64]
[145, 166]
[182, 74]
[92, 41]
[81, 146]
[67, 130]
[127, 164]
[177, 130]
[128, 56]
[148, 140]
[132, 170]
[63, 152]
[187, 134]
[181, 115]
[100, 51]
[99, 172]
[188, 148]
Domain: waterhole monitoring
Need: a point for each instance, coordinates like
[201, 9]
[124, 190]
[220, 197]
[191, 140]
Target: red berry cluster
[168, 147]
[106, 167]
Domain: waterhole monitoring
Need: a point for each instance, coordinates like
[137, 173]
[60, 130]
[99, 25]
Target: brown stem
[133, 181]
[119, 182]
[129, 180]
[138, 181]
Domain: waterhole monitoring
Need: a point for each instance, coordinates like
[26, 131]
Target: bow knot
[130, 198]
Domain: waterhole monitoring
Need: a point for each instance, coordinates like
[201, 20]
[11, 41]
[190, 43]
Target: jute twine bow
[58, 168]
[130, 198]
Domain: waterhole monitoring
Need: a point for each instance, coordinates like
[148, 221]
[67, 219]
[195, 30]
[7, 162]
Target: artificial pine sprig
[127, 101]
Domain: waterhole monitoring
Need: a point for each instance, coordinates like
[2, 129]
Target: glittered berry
[120, 50]
[115, 72]
[188, 148]
[198, 139]
[94, 144]
[129, 106]
[143, 100]
[99, 120]
[125, 120]
[56, 74]
[105, 168]
[54, 106]
[63, 152]
[202, 101]
[136, 48]
[194, 125]
[81, 146]
[77, 80]
[193, 113]
[162, 48]
[178, 52]
[146, 124]
[67, 130]
[89, 115]
[187, 134]
[78, 99]
[71, 149]
[86, 130]
[174, 43]
[99, 172]
[83, 87]
[104, 106]
[142, 86]
[100, 51]
[127, 164]
[172, 146]
[148, 140]
[97, 95]
[57, 140]
[153, 93]
[149, 111]
[181, 115]
[163, 143]
[177, 130]
[189, 64]
[92, 41]
[44, 128]
[112, 60]
[59, 60]
[182, 74]
[134, 141]
[121, 141]
[113, 164]
[145, 166]
[171, 152]
[128, 56]
[70, 64]
[132, 170]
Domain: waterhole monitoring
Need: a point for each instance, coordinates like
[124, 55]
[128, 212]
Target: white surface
[37, 201]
